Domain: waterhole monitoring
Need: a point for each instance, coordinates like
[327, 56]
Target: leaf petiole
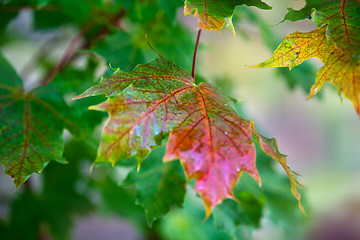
[195, 53]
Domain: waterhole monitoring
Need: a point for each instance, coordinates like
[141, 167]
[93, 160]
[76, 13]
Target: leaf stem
[195, 53]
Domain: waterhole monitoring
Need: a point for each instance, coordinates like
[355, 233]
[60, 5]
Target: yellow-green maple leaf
[339, 69]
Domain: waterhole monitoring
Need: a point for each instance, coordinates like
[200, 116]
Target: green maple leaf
[155, 180]
[339, 69]
[56, 205]
[212, 142]
[213, 15]
[29, 141]
[32, 126]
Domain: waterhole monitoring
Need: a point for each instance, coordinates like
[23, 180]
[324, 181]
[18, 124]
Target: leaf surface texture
[212, 142]
[339, 68]
[213, 15]
[342, 18]
[32, 125]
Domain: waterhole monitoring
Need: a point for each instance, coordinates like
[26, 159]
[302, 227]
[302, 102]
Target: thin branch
[99, 34]
[69, 50]
[39, 55]
[16, 8]
[195, 53]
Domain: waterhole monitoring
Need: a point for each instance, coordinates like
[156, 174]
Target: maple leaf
[31, 125]
[342, 18]
[339, 69]
[28, 141]
[212, 142]
[213, 14]
[158, 186]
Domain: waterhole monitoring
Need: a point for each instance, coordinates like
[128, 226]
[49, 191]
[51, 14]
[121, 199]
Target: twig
[68, 54]
[69, 50]
[100, 33]
[16, 8]
[38, 56]
[195, 53]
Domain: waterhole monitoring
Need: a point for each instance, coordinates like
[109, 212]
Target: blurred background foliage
[320, 136]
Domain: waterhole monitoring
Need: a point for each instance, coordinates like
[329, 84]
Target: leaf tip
[208, 211]
[17, 184]
[314, 90]
[113, 162]
[229, 24]
[357, 106]
[259, 65]
[257, 179]
[138, 167]
[77, 97]
[234, 33]
[92, 167]
[98, 107]
[302, 208]
[82, 95]
[18, 181]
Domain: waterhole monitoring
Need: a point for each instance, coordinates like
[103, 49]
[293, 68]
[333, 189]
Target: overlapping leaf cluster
[155, 102]
[336, 43]
[32, 122]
